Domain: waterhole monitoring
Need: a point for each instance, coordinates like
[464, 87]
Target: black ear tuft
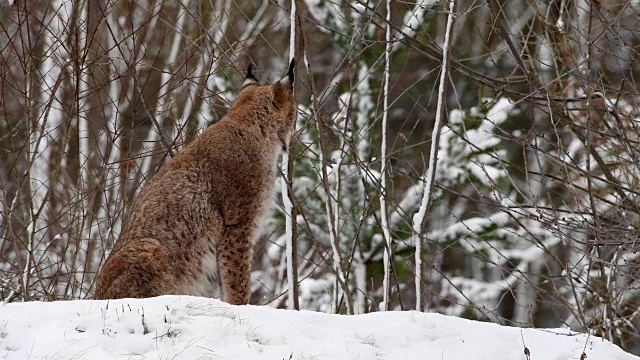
[291, 73]
[250, 79]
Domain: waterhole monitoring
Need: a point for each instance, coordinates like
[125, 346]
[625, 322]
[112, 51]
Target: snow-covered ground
[182, 327]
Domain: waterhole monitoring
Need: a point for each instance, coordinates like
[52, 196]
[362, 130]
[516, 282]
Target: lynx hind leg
[234, 263]
[138, 270]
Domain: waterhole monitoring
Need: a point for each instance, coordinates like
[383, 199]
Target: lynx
[192, 228]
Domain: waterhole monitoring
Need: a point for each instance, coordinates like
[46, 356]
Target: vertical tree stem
[387, 257]
[419, 224]
[287, 195]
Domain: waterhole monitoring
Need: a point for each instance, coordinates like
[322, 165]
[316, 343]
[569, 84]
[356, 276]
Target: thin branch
[419, 218]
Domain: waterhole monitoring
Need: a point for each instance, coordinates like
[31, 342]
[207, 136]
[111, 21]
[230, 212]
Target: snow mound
[183, 327]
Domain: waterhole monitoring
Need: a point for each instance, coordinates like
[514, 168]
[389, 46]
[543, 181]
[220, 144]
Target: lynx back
[192, 228]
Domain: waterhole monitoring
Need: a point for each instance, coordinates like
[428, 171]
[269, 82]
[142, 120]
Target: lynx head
[274, 104]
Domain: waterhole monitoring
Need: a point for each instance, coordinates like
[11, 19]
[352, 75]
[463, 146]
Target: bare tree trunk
[387, 255]
[287, 194]
[419, 218]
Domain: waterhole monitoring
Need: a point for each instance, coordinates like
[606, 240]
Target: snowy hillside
[184, 327]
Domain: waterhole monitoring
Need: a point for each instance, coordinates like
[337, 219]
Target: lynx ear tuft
[250, 79]
[292, 67]
[289, 80]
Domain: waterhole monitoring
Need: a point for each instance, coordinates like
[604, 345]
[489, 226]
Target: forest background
[467, 157]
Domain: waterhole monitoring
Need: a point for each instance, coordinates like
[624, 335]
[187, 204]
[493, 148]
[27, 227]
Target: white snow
[413, 19]
[183, 327]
